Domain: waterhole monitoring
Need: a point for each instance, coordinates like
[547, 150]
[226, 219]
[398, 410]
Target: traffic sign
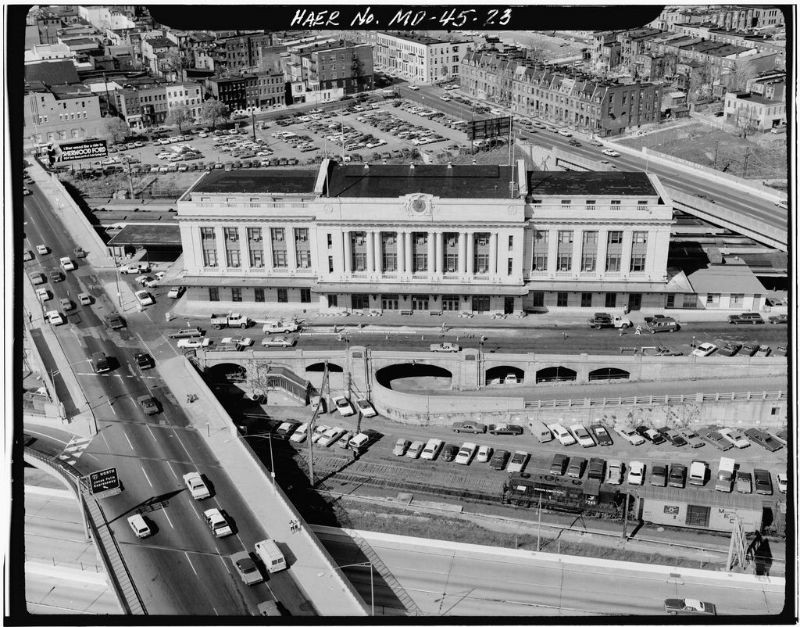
[104, 482]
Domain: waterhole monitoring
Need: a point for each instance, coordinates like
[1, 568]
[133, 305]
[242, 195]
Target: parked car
[728, 349]
[704, 349]
[692, 439]
[518, 461]
[658, 475]
[176, 292]
[745, 318]
[466, 453]
[148, 404]
[648, 433]
[614, 472]
[735, 437]
[636, 473]
[331, 435]
[415, 449]
[763, 481]
[689, 607]
[499, 460]
[505, 429]
[582, 436]
[300, 434]
[400, 447]
[762, 438]
[343, 406]
[115, 322]
[749, 349]
[144, 297]
[672, 436]
[779, 319]
[783, 482]
[713, 437]
[484, 453]
[469, 426]
[629, 435]
[744, 482]
[561, 434]
[449, 452]
[677, 476]
[601, 435]
[575, 467]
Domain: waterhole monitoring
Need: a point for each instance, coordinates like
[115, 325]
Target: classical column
[439, 253]
[401, 252]
[348, 253]
[378, 253]
[493, 254]
[462, 252]
[291, 249]
[370, 252]
[431, 252]
[244, 248]
[470, 253]
[409, 252]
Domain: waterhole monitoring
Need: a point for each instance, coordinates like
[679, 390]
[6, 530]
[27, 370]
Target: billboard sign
[104, 482]
[488, 128]
[90, 149]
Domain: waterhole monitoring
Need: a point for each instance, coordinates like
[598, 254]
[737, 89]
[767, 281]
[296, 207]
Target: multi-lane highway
[456, 580]
[181, 569]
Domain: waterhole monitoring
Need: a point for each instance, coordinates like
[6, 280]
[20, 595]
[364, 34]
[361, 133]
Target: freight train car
[562, 494]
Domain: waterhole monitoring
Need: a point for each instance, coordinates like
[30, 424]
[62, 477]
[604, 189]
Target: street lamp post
[271, 459]
[371, 580]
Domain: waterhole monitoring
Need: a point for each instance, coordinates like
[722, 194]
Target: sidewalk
[310, 564]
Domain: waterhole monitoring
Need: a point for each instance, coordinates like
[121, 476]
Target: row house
[333, 64]
[484, 239]
[259, 91]
[634, 42]
[600, 107]
[155, 49]
[417, 58]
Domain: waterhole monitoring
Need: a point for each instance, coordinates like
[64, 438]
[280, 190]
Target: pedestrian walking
[638, 329]
[564, 333]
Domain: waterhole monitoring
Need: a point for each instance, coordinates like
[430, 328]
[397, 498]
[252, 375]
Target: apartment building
[419, 59]
[333, 64]
[259, 91]
[60, 113]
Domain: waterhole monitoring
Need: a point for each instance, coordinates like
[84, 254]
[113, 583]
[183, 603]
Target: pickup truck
[607, 321]
[222, 321]
[445, 347]
[280, 326]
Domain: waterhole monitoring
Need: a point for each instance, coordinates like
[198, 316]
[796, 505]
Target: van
[270, 555]
[100, 362]
[697, 473]
[139, 526]
[359, 442]
[724, 482]
[542, 433]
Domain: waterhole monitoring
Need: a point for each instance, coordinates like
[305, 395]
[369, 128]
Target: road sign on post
[104, 483]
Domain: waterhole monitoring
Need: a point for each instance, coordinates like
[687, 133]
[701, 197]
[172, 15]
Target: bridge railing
[667, 399]
[107, 547]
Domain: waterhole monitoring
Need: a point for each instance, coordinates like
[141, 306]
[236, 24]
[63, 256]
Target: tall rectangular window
[210, 257]
[538, 299]
[564, 255]
[330, 265]
[232, 258]
[562, 300]
[283, 295]
[638, 251]
[213, 293]
[259, 294]
[589, 251]
[540, 250]
[614, 251]
[586, 299]
[305, 295]
[236, 294]
[611, 299]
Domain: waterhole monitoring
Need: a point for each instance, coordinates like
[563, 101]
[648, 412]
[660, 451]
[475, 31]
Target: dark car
[115, 321]
[689, 607]
[713, 437]
[677, 476]
[449, 452]
[729, 349]
[779, 319]
[658, 475]
[762, 438]
[504, 429]
[650, 434]
[749, 349]
[189, 332]
[672, 436]
[144, 361]
[692, 439]
[559, 464]
[576, 466]
[745, 318]
[763, 481]
[56, 276]
[499, 460]
[601, 434]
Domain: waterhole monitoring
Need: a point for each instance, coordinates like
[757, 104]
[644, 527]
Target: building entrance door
[634, 302]
[508, 306]
[480, 304]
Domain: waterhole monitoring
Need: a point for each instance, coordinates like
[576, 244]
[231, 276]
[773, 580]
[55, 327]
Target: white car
[636, 473]
[343, 406]
[415, 449]
[413, 88]
[280, 342]
[217, 523]
[466, 453]
[484, 453]
[518, 461]
[400, 447]
[783, 482]
[66, 263]
[564, 132]
[561, 434]
[511, 378]
[197, 487]
[704, 349]
[194, 342]
[319, 431]
[734, 437]
[445, 98]
[366, 408]
[432, 448]
[176, 292]
[42, 294]
[331, 435]
[144, 297]
[300, 433]
[629, 435]
[141, 280]
[610, 153]
[42, 249]
[582, 436]
[55, 318]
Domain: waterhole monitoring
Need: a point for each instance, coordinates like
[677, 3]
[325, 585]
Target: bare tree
[179, 116]
[116, 129]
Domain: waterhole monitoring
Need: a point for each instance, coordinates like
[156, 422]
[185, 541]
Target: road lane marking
[130, 368]
[190, 564]
[172, 470]
[168, 519]
[103, 435]
[128, 439]
[146, 477]
[111, 405]
[48, 436]
[152, 435]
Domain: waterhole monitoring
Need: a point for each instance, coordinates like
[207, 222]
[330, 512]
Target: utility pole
[253, 123]
[746, 157]
[310, 432]
[539, 526]
[625, 518]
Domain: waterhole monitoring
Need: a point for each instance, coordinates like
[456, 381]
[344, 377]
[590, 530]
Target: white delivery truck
[697, 473]
[724, 481]
[542, 433]
[270, 554]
